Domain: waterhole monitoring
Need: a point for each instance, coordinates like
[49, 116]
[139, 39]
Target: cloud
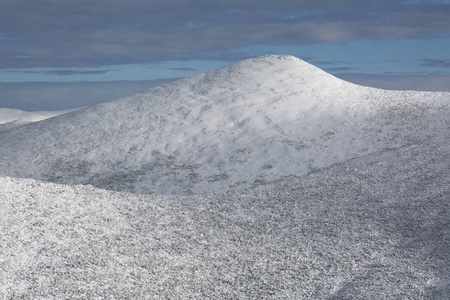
[325, 63]
[183, 69]
[400, 82]
[339, 69]
[56, 33]
[72, 72]
[35, 96]
[57, 96]
[59, 72]
[431, 62]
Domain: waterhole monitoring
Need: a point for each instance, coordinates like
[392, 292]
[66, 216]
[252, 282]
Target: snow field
[371, 227]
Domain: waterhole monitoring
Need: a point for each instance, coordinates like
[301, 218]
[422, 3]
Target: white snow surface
[251, 122]
[16, 115]
[376, 227]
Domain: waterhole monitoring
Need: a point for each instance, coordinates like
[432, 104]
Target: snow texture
[265, 179]
[375, 227]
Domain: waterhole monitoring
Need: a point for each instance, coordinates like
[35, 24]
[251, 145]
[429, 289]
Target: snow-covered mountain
[251, 122]
[323, 190]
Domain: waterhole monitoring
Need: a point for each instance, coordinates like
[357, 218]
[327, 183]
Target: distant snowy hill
[12, 119]
[248, 123]
[10, 115]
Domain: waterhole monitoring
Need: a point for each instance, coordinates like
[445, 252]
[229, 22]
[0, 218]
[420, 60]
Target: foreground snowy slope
[251, 122]
[376, 227]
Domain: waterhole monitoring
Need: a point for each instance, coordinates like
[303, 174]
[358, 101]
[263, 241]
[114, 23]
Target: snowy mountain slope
[251, 122]
[10, 115]
[374, 227]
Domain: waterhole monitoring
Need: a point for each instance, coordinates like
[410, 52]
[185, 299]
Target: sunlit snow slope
[254, 121]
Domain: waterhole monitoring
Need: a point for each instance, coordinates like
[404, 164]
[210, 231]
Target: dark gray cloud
[72, 72]
[57, 33]
[431, 62]
[59, 72]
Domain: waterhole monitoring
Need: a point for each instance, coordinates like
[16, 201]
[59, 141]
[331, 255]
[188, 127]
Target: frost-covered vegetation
[323, 190]
[377, 226]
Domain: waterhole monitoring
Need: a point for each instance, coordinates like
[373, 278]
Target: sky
[61, 54]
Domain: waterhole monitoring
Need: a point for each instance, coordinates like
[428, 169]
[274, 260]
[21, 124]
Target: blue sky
[57, 54]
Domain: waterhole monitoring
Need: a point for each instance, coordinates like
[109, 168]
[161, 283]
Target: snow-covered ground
[376, 227]
[252, 122]
[322, 190]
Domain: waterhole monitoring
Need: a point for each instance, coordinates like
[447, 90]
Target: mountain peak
[284, 61]
[276, 57]
[262, 74]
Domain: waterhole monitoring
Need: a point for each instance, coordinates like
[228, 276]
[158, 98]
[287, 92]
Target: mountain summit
[251, 122]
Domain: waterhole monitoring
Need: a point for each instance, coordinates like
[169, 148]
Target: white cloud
[401, 82]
